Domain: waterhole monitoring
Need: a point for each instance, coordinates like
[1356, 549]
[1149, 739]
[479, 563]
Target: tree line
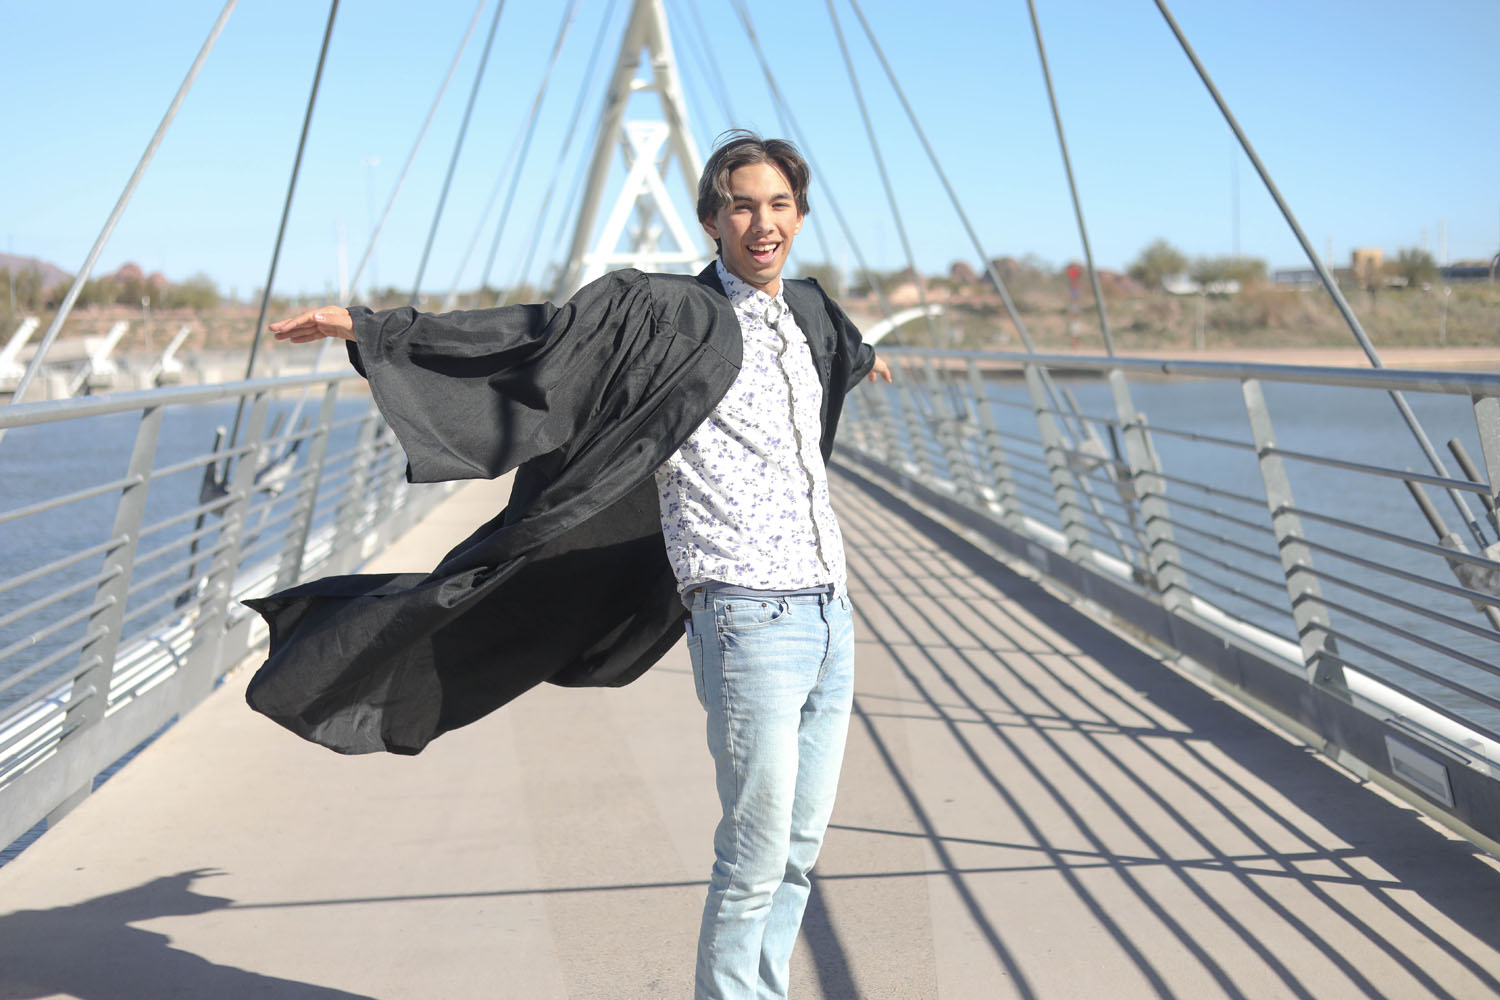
[1160, 260]
[24, 289]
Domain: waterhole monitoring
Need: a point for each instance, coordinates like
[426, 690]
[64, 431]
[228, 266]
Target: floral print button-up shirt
[744, 501]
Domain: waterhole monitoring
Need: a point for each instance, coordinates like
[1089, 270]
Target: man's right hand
[315, 324]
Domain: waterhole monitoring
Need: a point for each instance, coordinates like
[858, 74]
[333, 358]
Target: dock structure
[1032, 806]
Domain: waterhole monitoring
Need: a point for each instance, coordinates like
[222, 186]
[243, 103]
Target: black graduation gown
[570, 583]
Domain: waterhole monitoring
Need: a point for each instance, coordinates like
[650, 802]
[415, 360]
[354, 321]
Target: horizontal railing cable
[1198, 437]
[1260, 527]
[1280, 610]
[1395, 571]
[1215, 491]
[57, 565]
[1405, 475]
[1433, 676]
[55, 596]
[88, 493]
[1409, 606]
[1219, 539]
[1394, 538]
[1430, 704]
[1415, 639]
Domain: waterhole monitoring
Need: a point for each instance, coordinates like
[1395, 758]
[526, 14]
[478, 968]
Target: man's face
[755, 228]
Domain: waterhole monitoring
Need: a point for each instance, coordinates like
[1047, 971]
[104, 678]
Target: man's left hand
[880, 369]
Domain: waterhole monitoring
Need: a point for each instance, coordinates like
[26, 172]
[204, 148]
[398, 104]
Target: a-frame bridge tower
[644, 228]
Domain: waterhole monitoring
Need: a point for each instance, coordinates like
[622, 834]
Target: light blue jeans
[776, 677]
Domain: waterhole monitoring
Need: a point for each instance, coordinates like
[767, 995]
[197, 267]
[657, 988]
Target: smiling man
[669, 435]
[756, 549]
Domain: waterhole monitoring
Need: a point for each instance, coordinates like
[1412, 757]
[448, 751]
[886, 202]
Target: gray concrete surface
[1032, 806]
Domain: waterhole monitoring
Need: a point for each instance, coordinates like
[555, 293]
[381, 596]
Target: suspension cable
[702, 55]
[1049, 385]
[984, 257]
[885, 177]
[560, 231]
[1062, 142]
[585, 87]
[463, 130]
[411, 157]
[114, 217]
[515, 177]
[817, 224]
[1328, 283]
[784, 108]
[286, 211]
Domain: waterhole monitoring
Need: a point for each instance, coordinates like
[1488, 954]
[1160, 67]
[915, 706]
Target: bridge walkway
[1032, 806]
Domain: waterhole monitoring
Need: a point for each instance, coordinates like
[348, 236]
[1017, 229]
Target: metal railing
[127, 545]
[1262, 525]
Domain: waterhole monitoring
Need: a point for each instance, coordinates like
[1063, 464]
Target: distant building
[1368, 265]
[1296, 277]
[1468, 271]
[1181, 284]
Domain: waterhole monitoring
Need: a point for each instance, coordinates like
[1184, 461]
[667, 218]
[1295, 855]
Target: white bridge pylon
[649, 148]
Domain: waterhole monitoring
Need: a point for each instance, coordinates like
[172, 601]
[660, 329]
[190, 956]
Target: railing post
[917, 456]
[90, 695]
[203, 660]
[393, 472]
[888, 414]
[295, 549]
[351, 509]
[1162, 556]
[950, 419]
[992, 453]
[1487, 420]
[1063, 489]
[1308, 612]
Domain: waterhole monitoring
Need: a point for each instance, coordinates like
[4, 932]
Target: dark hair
[740, 148]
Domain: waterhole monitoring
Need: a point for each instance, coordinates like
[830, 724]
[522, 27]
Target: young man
[671, 435]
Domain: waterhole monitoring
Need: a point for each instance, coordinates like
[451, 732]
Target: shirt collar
[746, 298]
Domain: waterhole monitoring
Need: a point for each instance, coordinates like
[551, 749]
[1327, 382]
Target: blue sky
[1378, 120]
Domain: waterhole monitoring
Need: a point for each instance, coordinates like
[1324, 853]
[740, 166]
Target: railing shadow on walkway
[1100, 758]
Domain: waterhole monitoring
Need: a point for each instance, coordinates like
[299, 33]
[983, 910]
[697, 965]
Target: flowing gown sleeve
[570, 583]
[472, 395]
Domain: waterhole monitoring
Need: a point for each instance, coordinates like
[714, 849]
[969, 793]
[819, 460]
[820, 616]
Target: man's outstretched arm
[315, 324]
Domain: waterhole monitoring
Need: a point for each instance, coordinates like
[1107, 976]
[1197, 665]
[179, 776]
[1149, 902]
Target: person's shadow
[90, 951]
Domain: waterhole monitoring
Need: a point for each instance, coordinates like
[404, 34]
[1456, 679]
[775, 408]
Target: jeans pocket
[741, 613]
[695, 654]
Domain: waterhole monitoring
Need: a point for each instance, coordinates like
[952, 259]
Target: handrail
[964, 434]
[101, 646]
[52, 410]
[1458, 383]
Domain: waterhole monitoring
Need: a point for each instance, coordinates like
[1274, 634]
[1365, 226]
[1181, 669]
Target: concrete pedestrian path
[1032, 806]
